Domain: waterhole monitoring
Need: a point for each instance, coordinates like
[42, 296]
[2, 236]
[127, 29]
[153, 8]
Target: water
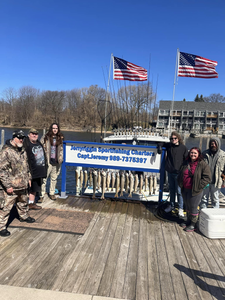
[94, 137]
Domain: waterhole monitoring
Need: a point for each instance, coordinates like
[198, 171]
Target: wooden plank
[81, 246]
[102, 274]
[169, 233]
[142, 265]
[188, 246]
[154, 290]
[120, 271]
[81, 262]
[129, 291]
[182, 264]
[166, 286]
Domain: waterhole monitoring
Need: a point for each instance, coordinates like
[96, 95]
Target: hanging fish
[99, 179]
[126, 182]
[85, 179]
[150, 185]
[103, 184]
[146, 183]
[77, 178]
[94, 183]
[154, 184]
[117, 184]
[141, 184]
[122, 182]
[131, 184]
[90, 178]
[113, 182]
[135, 182]
[81, 179]
[108, 179]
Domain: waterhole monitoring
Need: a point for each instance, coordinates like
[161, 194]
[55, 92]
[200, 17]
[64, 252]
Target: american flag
[196, 66]
[124, 70]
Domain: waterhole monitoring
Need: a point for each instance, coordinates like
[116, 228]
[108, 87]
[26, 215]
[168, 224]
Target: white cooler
[212, 222]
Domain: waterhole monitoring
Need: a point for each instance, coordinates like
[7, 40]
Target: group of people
[194, 177]
[25, 165]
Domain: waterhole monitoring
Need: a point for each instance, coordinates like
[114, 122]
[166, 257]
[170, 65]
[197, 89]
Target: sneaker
[34, 206]
[181, 213]
[52, 197]
[168, 209]
[28, 220]
[4, 232]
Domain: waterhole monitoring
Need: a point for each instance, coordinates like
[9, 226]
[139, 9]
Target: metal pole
[107, 92]
[174, 84]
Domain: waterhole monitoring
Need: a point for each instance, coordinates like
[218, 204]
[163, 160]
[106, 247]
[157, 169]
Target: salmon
[131, 184]
[103, 185]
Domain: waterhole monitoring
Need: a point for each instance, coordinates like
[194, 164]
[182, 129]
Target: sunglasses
[21, 137]
[34, 133]
[173, 139]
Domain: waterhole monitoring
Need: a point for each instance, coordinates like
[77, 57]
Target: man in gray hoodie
[215, 158]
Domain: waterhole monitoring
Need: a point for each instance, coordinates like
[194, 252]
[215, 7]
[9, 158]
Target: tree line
[82, 109]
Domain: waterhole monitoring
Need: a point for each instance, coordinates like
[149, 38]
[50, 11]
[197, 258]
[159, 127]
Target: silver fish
[126, 182]
[90, 178]
[108, 179]
[103, 185]
[141, 184]
[150, 185]
[131, 184]
[146, 183]
[117, 184]
[113, 181]
[122, 182]
[77, 178]
[81, 178]
[154, 184]
[85, 179]
[135, 182]
[94, 183]
[99, 179]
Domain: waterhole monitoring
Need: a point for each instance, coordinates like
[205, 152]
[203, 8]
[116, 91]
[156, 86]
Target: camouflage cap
[19, 134]
[33, 130]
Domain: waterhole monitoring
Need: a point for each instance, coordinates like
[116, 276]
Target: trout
[113, 181]
[85, 179]
[103, 185]
[117, 184]
[135, 182]
[146, 183]
[108, 179]
[99, 179]
[154, 184]
[131, 185]
[150, 185]
[126, 182]
[81, 178]
[90, 178]
[94, 183]
[77, 178]
[122, 182]
[141, 184]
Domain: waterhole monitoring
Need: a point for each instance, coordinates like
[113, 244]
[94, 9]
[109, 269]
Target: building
[192, 116]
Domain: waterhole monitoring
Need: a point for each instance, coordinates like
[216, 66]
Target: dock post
[2, 138]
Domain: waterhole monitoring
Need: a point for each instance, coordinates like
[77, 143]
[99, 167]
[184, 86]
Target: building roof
[191, 105]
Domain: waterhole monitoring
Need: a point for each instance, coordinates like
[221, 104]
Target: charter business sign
[115, 156]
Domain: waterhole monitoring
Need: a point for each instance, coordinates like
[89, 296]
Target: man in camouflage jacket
[14, 180]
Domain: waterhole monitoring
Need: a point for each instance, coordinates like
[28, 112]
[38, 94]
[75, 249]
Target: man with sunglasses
[176, 153]
[37, 164]
[14, 180]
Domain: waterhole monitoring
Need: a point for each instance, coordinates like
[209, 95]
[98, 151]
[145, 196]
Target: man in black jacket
[176, 154]
[37, 165]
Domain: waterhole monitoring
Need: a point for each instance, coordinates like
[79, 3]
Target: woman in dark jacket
[193, 177]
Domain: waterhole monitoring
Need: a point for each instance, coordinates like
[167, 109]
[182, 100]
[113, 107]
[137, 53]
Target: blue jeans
[175, 189]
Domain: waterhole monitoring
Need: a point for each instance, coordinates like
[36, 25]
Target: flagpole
[174, 85]
[107, 92]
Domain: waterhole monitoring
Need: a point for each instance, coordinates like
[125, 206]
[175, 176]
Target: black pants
[191, 202]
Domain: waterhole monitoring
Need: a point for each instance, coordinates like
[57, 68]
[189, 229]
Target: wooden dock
[126, 252]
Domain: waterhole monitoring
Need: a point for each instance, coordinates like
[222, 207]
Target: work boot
[4, 232]
[34, 206]
[186, 223]
[40, 200]
[52, 197]
[192, 226]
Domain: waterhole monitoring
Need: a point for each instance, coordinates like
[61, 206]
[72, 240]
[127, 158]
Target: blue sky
[67, 44]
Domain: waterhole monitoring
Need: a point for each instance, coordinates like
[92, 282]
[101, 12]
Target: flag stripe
[124, 70]
[196, 66]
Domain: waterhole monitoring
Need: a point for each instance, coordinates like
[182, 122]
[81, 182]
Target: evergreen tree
[197, 98]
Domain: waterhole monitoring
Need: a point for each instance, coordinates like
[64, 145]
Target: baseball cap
[33, 130]
[19, 134]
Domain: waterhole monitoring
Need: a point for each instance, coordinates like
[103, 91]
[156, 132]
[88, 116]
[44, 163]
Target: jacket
[201, 178]
[47, 148]
[219, 164]
[14, 169]
[175, 156]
